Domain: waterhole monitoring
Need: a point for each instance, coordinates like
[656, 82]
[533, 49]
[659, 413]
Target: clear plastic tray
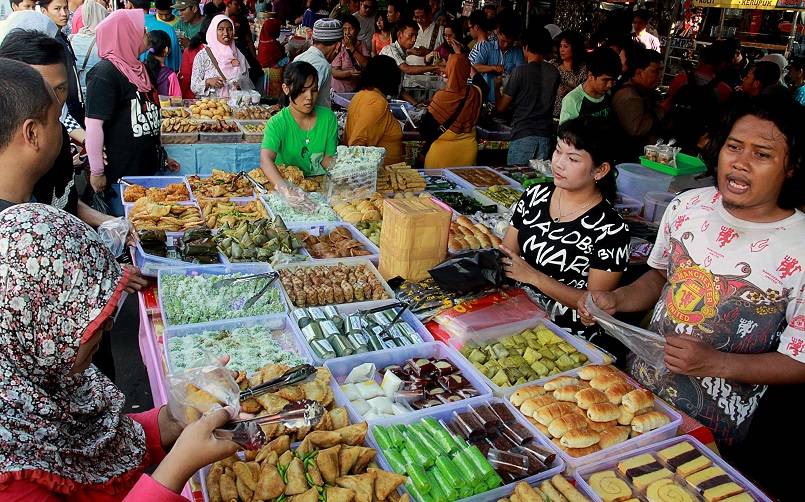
[324, 228]
[349, 262]
[665, 432]
[151, 182]
[446, 413]
[469, 193]
[271, 321]
[221, 137]
[179, 138]
[290, 342]
[611, 462]
[127, 208]
[245, 198]
[250, 137]
[594, 355]
[453, 173]
[461, 183]
[150, 264]
[628, 206]
[341, 367]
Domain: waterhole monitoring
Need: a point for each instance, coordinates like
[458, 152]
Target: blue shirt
[489, 53]
[799, 94]
[174, 59]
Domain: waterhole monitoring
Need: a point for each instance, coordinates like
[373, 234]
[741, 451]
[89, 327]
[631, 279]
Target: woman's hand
[136, 281]
[517, 268]
[604, 300]
[98, 183]
[214, 83]
[172, 165]
[195, 448]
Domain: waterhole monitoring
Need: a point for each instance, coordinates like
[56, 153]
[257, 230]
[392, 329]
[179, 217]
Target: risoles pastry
[610, 487]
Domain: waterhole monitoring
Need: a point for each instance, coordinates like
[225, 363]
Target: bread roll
[568, 490]
[583, 384]
[551, 493]
[566, 393]
[520, 395]
[603, 382]
[579, 438]
[613, 436]
[616, 392]
[465, 222]
[548, 414]
[649, 421]
[595, 370]
[625, 418]
[602, 426]
[582, 452]
[560, 427]
[483, 228]
[532, 405]
[603, 412]
[560, 382]
[638, 400]
[588, 397]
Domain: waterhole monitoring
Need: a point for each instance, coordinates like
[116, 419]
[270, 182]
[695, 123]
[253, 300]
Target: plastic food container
[446, 413]
[244, 199]
[665, 432]
[628, 206]
[594, 356]
[610, 463]
[455, 173]
[368, 304]
[127, 208]
[318, 229]
[250, 137]
[655, 205]
[287, 340]
[179, 138]
[270, 321]
[461, 183]
[152, 182]
[635, 180]
[341, 367]
[150, 264]
[221, 137]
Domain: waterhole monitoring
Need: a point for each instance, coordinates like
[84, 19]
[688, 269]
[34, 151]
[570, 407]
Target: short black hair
[766, 72]
[642, 14]
[788, 116]
[509, 27]
[43, 3]
[33, 48]
[798, 63]
[383, 74]
[478, 18]
[25, 96]
[163, 4]
[642, 58]
[350, 19]
[420, 5]
[142, 4]
[538, 41]
[398, 5]
[597, 137]
[604, 61]
[16, 2]
[404, 24]
[295, 77]
[200, 38]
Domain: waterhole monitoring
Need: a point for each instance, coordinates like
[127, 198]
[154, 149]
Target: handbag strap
[215, 62]
[449, 122]
[89, 53]
[434, 35]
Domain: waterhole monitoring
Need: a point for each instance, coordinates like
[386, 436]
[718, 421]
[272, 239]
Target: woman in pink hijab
[122, 106]
[220, 67]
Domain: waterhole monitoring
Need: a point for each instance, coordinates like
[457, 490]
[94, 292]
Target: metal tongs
[258, 187]
[293, 376]
[249, 434]
[401, 305]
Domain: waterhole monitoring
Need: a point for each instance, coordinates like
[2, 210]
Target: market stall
[453, 396]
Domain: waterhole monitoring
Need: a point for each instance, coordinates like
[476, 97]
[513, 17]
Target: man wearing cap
[190, 19]
[327, 37]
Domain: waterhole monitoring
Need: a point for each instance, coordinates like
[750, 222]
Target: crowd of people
[81, 87]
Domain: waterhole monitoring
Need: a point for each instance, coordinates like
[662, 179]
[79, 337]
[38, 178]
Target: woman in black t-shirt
[565, 238]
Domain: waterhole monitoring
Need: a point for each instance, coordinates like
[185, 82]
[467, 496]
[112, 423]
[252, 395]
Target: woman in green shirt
[302, 134]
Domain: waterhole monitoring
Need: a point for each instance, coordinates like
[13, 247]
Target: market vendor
[369, 120]
[398, 51]
[565, 238]
[727, 283]
[64, 436]
[302, 134]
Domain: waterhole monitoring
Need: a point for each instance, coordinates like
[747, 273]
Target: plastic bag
[296, 198]
[470, 271]
[113, 234]
[98, 203]
[195, 391]
[502, 312]
[647, 345]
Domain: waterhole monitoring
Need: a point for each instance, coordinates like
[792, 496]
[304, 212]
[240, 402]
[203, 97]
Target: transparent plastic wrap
[196, 391]
[353, 174]
[470, 271]
[647, 345]
[472, 319]
[114, 234]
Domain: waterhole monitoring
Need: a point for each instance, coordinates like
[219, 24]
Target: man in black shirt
[30, 132]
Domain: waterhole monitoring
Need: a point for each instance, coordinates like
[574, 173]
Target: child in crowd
[167, 83]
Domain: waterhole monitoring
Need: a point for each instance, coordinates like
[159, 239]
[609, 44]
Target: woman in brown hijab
[461, 102]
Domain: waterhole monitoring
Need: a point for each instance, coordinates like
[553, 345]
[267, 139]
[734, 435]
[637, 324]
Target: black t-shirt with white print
[131, 122]
[566, 251]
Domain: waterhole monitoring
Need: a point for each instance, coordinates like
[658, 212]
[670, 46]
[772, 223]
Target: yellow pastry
[610, 487]
[665, 490]
[684, 459]
[741, 497]
[643, 470]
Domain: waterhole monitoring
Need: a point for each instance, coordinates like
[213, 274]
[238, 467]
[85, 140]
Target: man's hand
[499, 69]
[418, 51]
[604, 300]
[98, 183]
[172, 165]
[688, 355]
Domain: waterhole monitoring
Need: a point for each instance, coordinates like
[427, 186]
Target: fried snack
[146, 215]
[338, 243]
[217, 213]
[169, 113]
[255, 112]
[218, 126]
[399, 178]
[342, 279]
[292, 174]
[175, 192]
[220, 184]
[209, 108]
[179, 125]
